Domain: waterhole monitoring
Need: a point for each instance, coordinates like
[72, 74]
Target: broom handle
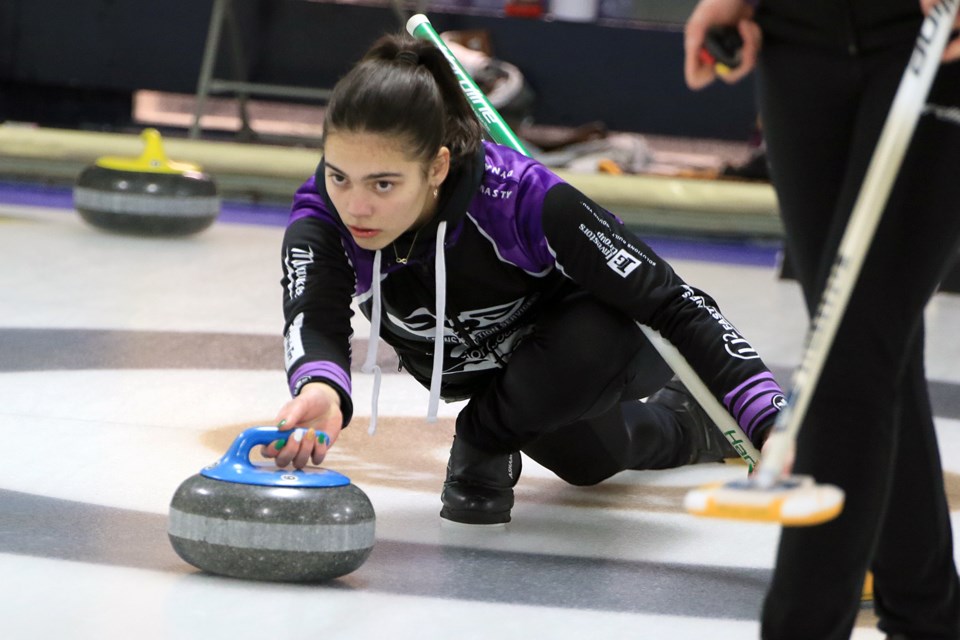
[419, 26]
[882, 172]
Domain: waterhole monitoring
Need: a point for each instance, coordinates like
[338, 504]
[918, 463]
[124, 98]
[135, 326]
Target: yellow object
[866, 595]
[152, 160]
[605, 165]
[794, 502]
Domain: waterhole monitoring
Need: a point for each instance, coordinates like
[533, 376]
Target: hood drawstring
[441, 311]
[370, 364]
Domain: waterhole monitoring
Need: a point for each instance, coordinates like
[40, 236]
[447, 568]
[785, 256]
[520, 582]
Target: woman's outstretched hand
[313, 420]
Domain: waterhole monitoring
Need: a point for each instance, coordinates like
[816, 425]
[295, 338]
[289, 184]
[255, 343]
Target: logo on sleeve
[623, 263]
[296, 262]
[293, 343]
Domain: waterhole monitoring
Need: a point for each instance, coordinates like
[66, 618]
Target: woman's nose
[358, 205]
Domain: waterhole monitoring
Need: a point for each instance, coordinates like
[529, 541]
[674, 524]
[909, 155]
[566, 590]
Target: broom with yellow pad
[771, 494]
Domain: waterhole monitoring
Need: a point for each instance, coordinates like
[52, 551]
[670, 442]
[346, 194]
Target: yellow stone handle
[153, 159]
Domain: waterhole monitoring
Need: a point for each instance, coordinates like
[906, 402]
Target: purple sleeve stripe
[750, 412]
[328, 370]
[746, 389]
[749, 402]
[759, 417]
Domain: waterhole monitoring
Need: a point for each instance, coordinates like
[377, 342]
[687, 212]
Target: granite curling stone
[254, 521]
[149, 196]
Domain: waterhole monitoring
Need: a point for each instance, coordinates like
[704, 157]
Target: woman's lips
[360, 232]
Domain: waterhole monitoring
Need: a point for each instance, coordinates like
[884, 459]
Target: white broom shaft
[419, 26]
[704, 396]
[858, 236]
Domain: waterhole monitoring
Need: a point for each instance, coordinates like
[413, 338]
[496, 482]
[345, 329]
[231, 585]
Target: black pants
[869, 428]
[568, 397]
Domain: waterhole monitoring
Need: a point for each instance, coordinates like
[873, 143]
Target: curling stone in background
[150, 195]
[252, 520]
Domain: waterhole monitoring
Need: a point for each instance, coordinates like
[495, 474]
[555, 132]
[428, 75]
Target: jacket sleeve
[596, 250]
[318, 282]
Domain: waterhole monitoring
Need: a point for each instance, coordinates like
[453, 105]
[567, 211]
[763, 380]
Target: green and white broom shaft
[419, 26]
[867, 211]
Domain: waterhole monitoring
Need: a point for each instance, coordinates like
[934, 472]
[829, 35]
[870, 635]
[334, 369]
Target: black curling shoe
[479, 485]
[703, 440]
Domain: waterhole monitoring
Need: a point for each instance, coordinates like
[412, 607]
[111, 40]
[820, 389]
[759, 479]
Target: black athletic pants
[869, 427]
[567, 397]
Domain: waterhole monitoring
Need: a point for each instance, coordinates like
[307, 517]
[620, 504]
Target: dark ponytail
[405, 87]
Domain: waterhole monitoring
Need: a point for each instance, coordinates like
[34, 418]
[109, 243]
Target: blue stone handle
[239, 451]
[235, 465]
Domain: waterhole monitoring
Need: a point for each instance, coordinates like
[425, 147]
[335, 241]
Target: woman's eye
[383, 186]
[337, 180]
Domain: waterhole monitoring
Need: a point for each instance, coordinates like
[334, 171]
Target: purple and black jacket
[517, 238]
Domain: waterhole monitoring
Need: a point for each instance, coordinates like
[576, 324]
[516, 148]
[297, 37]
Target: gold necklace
[413, 243]
[398, 259]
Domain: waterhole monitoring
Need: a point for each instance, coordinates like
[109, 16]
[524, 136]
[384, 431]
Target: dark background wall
[77, 63]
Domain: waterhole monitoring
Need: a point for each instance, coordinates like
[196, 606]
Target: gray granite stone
[271, 533]
[146, 203]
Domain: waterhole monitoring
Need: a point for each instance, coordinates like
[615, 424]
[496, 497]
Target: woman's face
[379, 191]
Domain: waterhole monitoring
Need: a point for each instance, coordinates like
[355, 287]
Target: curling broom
[419, 26]
[770, 495]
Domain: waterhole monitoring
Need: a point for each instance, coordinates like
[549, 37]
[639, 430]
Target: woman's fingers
[752, 38]
[323, 444]
[302, 456]
[302, 446]
[697, 73]
[317, 407]
[291, 448]
[271, 450]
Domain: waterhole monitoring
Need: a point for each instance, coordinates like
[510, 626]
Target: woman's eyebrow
[372, 176]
